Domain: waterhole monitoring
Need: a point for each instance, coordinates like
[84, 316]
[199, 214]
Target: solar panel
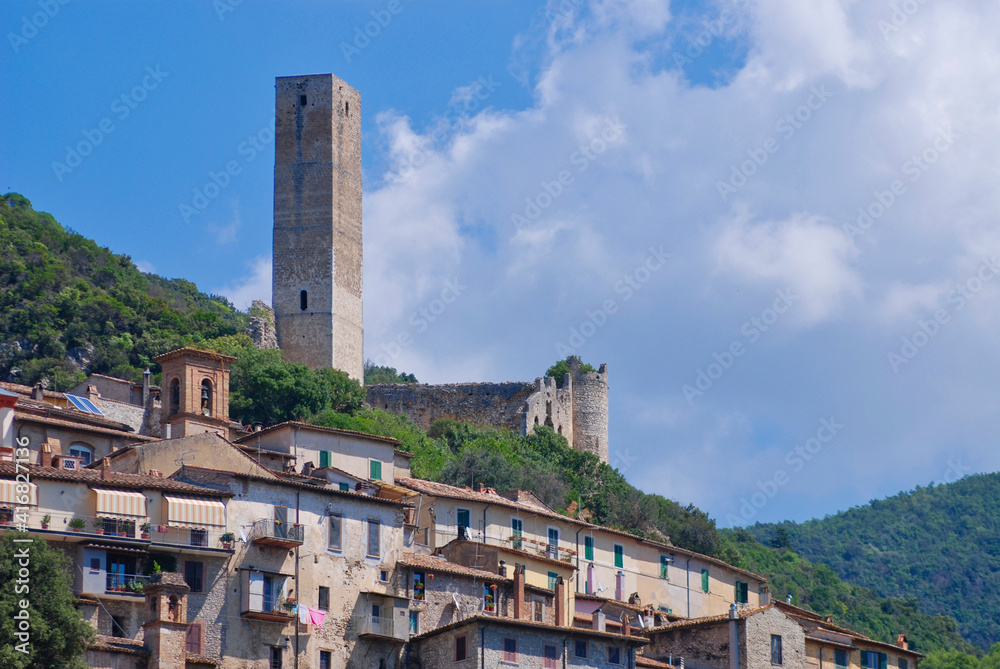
[83, 404]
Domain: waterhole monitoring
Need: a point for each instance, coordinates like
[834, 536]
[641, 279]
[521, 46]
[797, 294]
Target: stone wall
[757, 643]
[317, 265]
[578, 410]
[702, 647]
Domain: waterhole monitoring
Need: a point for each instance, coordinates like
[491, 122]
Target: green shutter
[619, 556]
[324, 458]
[704, 580]
[376, 470]
[883, 661]
[552, 580]
[588, 548]
[345, 487]
[664, 566]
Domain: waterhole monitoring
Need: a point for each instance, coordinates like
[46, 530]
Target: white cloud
[255, 285]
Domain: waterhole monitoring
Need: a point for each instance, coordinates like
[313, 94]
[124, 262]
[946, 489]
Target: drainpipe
[734, 639]
[687, 570]
[485, 526]
[298, 588]
[482, 646]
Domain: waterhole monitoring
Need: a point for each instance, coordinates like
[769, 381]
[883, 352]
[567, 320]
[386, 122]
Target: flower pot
[145, 535]
[99, 531]
[227, 545]
[45, 526]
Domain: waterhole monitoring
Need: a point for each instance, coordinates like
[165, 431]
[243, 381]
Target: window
[840, 657]
[323, 599]
[418, 585]
[303, 300]
[588, 548]
[81, 450]
[336, 534]
[324, 458]
[325, 657]
[516, 532]
[347, 109]
[193, 638]
[376, 611]
[775, 649]
[95, 565]
[552, 580]
[462, 520]
[302, 100]
[193, 575]
[175, 396]
[206, 398]
[461, 648]
[199, 537]
[383, 575]
[581, 648]
[742, 592]
[614, 655]
[6, 514]
[510, 650]
[275, 657]
[537, 606]
[873, 660]
[553, 537]
[704, 580]
[414, 622]
[345, 487]
[551, 658]
[489, 598]
[118, 627]
[664, 566]
[903, 664]
[373, 538]
[375, 470]
[619, 556]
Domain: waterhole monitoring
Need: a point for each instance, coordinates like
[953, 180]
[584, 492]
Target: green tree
[375, 374]
[58, 635]
[950, 659]
[559, 370]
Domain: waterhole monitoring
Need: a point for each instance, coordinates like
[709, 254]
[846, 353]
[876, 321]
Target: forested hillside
[68, 307]
[938, 545]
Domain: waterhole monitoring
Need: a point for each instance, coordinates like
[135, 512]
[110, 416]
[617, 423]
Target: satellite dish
[243, 536]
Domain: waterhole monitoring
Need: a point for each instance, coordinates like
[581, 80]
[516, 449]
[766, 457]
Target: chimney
[560, 602]
[38, 393]
[105, 469]
[518, 590]
[480, 488]
[902, 642]
[828, 619]
[600, 621]
[620, 586]
[765, 595]
[145, 385]
[46, 456]
[93, 393]
[733, 614]
[166, 430]
[590, 579]
[627, 626]
[156, 473]
[503, 569]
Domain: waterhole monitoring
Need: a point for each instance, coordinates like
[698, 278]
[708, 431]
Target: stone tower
[317, 269]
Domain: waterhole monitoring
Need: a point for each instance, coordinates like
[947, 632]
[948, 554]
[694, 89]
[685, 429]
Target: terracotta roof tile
[110, 644]
[707, 620]
[421, 561]
[521, 622]
[116, 479]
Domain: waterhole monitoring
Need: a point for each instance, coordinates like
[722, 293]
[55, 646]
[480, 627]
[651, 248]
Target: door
[256, 601]
[463, 523]
[516, 532]
[281, 521]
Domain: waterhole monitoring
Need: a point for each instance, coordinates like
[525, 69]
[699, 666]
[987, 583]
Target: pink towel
[316, 617]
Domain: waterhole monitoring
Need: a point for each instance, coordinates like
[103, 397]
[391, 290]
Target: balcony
[539, 548]
[267, 532]
[379, 627]
[270, 608]
[128, 584]
[205, 541]
[77, 527]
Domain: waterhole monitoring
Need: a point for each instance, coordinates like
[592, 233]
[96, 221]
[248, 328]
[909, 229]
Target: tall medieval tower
[317, 270]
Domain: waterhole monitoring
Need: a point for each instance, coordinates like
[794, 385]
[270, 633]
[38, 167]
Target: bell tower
[195, 394]
[317, 264]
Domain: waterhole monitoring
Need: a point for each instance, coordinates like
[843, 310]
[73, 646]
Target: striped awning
[9, 495]
[120, 504]
[187, 512]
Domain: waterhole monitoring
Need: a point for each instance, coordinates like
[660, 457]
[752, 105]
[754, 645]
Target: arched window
[175, 396]
[173, 608]
[303, 300]
[78, 449]
[206, 398]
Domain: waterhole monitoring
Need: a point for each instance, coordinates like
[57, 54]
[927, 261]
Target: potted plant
[144, 529]
[46, 519]
[135, 586]
[227, 539]
[77, 524]
[99, 525]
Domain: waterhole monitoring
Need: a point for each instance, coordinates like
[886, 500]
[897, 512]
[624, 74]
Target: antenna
[179, 461]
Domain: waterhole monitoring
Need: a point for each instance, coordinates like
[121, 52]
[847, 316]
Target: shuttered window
[324, 458]
[376, 470]
[742, 592]
[193, 638]
[664, 566]
[619, 556]
[704, 580]
[588, 548]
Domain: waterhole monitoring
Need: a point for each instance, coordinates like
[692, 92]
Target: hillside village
[198, 541]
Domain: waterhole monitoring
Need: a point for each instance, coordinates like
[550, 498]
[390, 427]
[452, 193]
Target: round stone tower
[590, 409]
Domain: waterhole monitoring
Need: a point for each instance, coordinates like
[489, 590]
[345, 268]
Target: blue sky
[777, 226]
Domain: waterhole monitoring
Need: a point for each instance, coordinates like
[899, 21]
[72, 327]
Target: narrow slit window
[303, 300]
[302, 100]
[347, 109]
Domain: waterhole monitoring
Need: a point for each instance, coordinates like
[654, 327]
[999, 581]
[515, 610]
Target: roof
[188, 352]
[321, 428]
[610, 600]
[707, 620]
[521, 622]
[429, 563]
[496, 499]
[824, 626]
[22, 389]
[642, 661]
[110, 644]
[92, 477]
[33, 418]
[282, 481]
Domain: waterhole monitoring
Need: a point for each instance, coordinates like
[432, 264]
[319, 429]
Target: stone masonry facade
[317, 272]
[578, 410]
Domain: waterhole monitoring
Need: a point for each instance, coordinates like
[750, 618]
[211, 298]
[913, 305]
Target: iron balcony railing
[127, 583]
[267, 530]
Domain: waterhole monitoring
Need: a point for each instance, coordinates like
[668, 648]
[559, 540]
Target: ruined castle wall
[550, 406]
[494, 404]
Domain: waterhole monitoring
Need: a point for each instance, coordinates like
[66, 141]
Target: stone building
[576, 407]
[317, 265]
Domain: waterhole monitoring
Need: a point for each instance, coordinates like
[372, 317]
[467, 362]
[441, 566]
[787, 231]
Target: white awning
[9, 495]
[120, 504]
[187, 512]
